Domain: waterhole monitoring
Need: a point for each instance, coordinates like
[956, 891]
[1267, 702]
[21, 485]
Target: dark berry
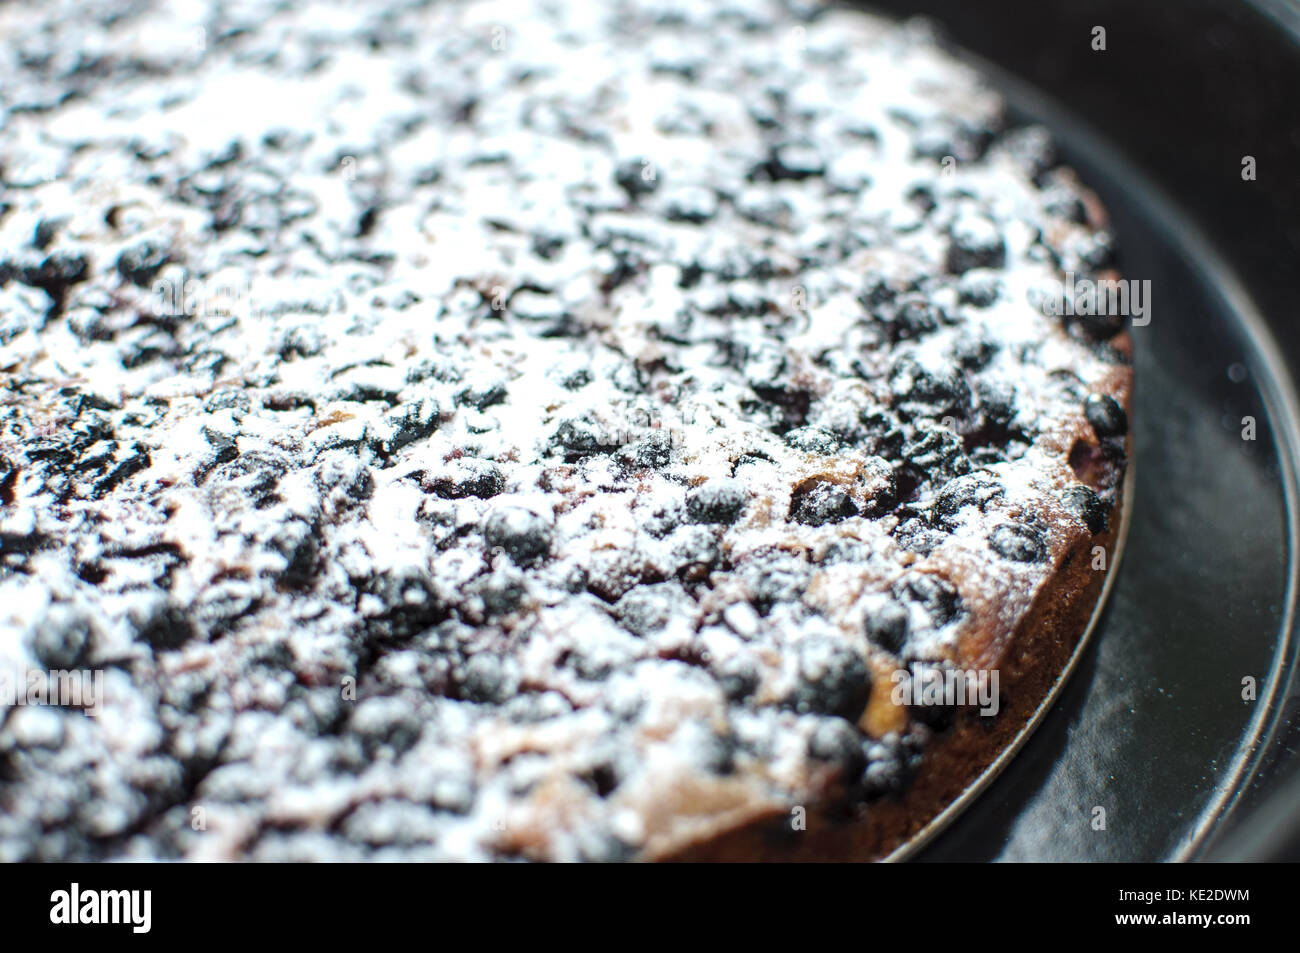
[812, 440]
[996, 405]
[973, 489]
[140, 263]
[976, 243]
[646, 609]
[910, 318]
[163, 626]
[46, 230]
[8, 480]
[738, 678]
[486, 678]
[696, 554]
[628, 377]
[1084, 503]
[884, 434]
[974, 350]
[223, 445]
[775, 578]
[63, 639]
[233, 400]
[580, 438]
[636, 177]
[879, 485]
[979, 289]
[937, 596]
[1018, 542]
[653, 450]
[1106, 415]
[664, 519]
[482, 396]
[718, 501]
[888, 769]
[56, 273]
[523, 535]
[821, 502]
[838, 743]
[412, 423]
[501, 593]
[694, 205]
[923, 392]
[346, 474]
[917, 536]
[929, 704]
[886, 625]
[385, 726]
[922, 196]
[833, 679]
[936, 453]
[469, 477]
[793, 161]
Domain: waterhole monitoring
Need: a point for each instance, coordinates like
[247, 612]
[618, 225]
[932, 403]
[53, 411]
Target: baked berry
[482, 395]
[691, 204]
[886, 624]
[580, 438]
[928, 702]
[56, 273]
[936, 453]
[718, 501]
[412, 423]
[344, 473]
[979, 289]
[522, 534]
[775, 578]
[832, 679]
[468, 476]
[1084, 502]
[486, 678]
[140, 263]
[840, 744]
[163, 625]
[821, 502]
[636, 177]
[917, 536]
[974, 350]
[738, 677]
[976, 243]
[1018, 542]
[224, 446]
[920, 392]
[912, 318]
[654, 450]
[794, 161]
[813, 440]
[973, 489]
[62, 639]
[936, 595]
[995, 405]
[884, 434]
[1106, 415]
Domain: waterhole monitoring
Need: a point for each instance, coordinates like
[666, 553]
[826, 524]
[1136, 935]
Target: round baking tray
[1154, 749]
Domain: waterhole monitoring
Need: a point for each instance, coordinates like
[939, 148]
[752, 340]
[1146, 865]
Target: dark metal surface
[1153, 727]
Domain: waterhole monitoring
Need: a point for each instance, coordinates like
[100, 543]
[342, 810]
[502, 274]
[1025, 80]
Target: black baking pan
[1177, 737]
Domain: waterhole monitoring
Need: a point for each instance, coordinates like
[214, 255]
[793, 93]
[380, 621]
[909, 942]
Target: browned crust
[1038, 653]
